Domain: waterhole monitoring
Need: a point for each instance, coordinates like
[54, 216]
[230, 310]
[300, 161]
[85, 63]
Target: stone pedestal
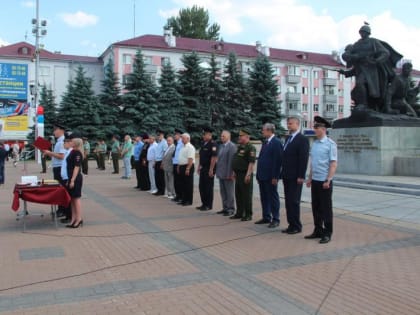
[372, 150]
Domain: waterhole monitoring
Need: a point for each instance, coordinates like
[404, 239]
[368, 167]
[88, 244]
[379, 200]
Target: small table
[54, 195]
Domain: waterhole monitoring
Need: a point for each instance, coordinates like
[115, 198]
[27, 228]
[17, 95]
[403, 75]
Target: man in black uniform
[206, 169]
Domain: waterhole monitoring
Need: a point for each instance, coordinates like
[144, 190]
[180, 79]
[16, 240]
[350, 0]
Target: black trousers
[115, 162]
[57, 176]
[177, 182]
[159, 178]
[186, 184]
[101, 161]
[292, 195]
[206, 185]
[322, 208]
[85, 165]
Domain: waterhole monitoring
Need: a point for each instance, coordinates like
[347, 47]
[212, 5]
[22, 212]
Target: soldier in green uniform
[243, 165]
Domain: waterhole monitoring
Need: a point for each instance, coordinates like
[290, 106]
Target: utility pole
[134, 17]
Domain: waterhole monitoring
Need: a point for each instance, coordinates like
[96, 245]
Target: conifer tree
[215, 97]
[265, 107]
[170, 100]
[237, 98]
[110, 100]
[193, 85]
[79, 110]
[140, 110]
[47, 101]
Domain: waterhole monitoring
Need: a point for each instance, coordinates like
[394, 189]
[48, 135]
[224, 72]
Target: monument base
[372, 150]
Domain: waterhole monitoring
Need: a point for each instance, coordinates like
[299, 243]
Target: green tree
[237, 98]
[79, 110]
[193, 23]
[140, 110]
[193, 84]
[110, 100]
[265, 107]
[170, 100]
[215, 97]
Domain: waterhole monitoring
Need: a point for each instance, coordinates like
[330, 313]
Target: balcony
[291, 96]
[330, 98]
[330, 114]
[330, 81]
[151, 69]
[294, 79]
[294, 112]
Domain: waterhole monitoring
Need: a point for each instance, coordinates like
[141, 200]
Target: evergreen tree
[193, 23]
[110, 100]
[215, 97]
[47, 101]
[79, 110]
[237, 98]
[193, 85]
[170, 100]
[140, 110]
[265, 107]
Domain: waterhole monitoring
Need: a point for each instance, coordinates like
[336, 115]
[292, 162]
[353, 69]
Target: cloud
[79, 19]
[290, 25]
[28, 4]
[3, 42]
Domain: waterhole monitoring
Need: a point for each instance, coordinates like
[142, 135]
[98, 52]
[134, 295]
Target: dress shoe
[325, 239]
[273, 225]
[294, 231]
[75, 225]
[228, 213]
[221, 211]
[205, 209]
[136, 187]
[199, 207]
[185, 204]
[157, 194]
[313, 235]
[285, 230]
[262, 221]
[246, 219]
[179, 202]
[235, 217]
[60, 214]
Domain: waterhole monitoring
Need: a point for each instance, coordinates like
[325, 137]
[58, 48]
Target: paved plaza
[142, 254]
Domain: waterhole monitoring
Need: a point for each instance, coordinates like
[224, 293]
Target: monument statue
[380, 96]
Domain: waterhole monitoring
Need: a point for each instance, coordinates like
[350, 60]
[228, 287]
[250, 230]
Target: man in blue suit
[295, 161]
[268, 175]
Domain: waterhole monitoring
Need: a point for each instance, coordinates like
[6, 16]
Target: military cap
[59, 125]
[177, 130]
[244, 132]
[68, 135]
[145, 136]
[159, 131]
[117, 137]
[321, 122]
[208, 130]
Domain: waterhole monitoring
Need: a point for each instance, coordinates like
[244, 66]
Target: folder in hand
[42, 144]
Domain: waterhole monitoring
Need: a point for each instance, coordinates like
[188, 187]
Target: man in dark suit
[268, 175]
[295, 161]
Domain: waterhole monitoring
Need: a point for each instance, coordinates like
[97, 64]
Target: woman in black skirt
[75, 182]
[144, 170]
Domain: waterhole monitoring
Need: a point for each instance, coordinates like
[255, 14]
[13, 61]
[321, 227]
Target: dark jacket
[270, 160]
[295, 157]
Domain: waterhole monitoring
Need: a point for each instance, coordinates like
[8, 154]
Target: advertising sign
[13, 101]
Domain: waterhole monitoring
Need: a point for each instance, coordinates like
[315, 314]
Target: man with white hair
[186, 170]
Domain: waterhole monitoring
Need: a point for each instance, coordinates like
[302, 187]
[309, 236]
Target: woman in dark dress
[75, 182]
[144, 170]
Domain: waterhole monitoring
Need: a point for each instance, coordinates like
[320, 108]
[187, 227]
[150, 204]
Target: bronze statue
[372, 62]
[401, 95]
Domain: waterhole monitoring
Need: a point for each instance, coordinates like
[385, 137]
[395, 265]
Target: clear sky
[87, 27]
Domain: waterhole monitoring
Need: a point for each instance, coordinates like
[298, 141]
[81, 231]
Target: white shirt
[63, 171]
[58, 148]
[186, 152]
[151, 152]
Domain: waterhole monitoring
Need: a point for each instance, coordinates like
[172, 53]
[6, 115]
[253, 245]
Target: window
[341, 108]
[330, 74]
[165, 61]
[316, 75]
[316, 91]
[277, 71]
[341, 77]
[330, 107]
[329, 90]
[125, 79]
[304, 73]
[293, 70]
[293, 106]
[316, 107]
[127, 59]
[340, 92]
[44, 71]
[304, 107]
[292, 89]
[304, 90]
[304, 124]
[147, 60]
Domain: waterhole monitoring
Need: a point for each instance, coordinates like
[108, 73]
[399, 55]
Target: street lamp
[38, 30]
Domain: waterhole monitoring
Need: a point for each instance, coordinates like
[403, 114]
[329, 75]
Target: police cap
[321, 122]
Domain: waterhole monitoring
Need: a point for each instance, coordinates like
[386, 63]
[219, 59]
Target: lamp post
[38, 30]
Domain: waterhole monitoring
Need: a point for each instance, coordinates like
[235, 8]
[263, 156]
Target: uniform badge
[214, 149]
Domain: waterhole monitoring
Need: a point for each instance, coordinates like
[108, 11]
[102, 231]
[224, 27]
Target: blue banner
[13, 81]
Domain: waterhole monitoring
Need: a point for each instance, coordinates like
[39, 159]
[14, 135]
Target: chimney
[258, 46]
[266, 51]
[170, 39]
[335, 55]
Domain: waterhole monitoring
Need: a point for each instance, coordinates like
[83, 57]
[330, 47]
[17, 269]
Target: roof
[241, 50]
[17, 51]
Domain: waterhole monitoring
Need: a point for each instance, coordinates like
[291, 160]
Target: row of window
[295, 70]
[328, 107]
[328, 90]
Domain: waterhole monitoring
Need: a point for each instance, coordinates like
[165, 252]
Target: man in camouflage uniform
[243, 165]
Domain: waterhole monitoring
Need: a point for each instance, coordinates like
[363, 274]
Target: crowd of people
[165, 166]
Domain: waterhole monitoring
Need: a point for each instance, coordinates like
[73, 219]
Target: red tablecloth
[52, 195]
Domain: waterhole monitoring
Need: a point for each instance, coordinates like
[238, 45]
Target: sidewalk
[141, 254]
